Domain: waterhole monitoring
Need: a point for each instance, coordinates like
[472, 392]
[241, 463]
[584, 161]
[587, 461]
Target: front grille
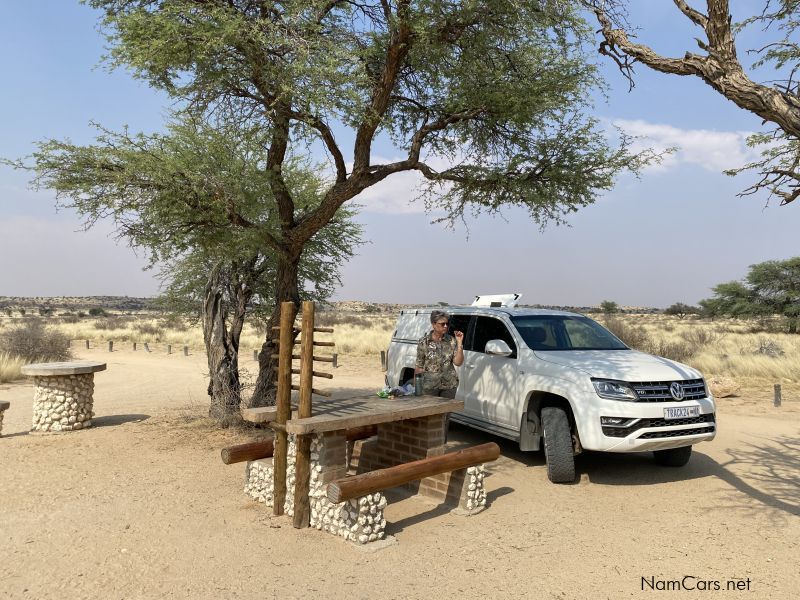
[677, 433]
[620, 432]
[658, 391]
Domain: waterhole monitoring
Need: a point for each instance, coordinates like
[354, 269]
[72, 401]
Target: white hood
[625, 365]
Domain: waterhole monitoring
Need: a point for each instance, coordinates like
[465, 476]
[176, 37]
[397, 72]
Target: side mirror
[498, 348]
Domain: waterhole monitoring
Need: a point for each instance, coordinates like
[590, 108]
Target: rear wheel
[674, 457]
[558, 445]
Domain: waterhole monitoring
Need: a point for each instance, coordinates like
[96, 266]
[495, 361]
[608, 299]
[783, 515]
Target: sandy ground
[141, 506]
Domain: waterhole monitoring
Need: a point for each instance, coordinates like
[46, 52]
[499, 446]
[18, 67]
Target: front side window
[565, 333]
[489, 328]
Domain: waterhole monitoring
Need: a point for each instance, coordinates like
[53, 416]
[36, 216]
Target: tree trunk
[287, 289]
[224, 386]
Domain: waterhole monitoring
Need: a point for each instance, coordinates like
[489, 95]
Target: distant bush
[174, 322]
[34, 342]
[97, 312]
[110, 324]
[149, 329]
[638, 339]
[631, 336]
[679, 351]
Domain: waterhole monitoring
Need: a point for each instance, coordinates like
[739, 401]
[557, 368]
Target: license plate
[681, 412]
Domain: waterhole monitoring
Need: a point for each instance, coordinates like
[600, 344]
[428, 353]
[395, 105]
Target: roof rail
[497, 300]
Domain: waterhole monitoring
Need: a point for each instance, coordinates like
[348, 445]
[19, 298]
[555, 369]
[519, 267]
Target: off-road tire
[674, 457]
[558, 445]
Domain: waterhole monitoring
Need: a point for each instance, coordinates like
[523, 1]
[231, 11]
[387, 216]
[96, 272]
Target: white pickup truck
[562, 380]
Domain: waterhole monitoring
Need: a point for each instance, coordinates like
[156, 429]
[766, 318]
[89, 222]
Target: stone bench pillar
[3, 407]
[63, 397]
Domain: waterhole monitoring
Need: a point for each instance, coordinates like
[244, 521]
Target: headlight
[614, 390]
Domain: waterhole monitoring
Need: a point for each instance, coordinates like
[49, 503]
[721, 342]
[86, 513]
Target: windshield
[565, 333]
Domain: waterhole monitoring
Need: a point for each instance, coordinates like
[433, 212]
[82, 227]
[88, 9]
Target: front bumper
[644, 426]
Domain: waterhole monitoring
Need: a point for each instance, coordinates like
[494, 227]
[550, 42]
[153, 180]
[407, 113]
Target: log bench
[382, 479]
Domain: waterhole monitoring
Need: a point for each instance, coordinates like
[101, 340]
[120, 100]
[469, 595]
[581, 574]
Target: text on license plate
[681, 412]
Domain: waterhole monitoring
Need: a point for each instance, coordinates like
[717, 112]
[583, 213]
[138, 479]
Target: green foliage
[770, 288]
[497, 91]
[97, 312]
[680, 310]
[33, 342]
[609, 307]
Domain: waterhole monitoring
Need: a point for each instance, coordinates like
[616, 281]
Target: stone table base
[63, 400]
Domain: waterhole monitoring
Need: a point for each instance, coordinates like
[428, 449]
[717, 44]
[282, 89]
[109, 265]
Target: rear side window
[460, 323]
[489, 328]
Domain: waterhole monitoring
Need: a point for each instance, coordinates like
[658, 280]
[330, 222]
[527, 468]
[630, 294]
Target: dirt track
[140, 506]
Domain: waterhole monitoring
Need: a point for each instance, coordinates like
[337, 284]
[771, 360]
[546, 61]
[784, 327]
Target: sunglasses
[445, 324]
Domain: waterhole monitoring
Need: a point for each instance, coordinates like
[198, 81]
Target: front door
[489, 383]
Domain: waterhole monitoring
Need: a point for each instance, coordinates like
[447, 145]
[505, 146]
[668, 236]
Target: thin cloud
[709, 149]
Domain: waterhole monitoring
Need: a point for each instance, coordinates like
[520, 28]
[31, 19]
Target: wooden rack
[286, 341]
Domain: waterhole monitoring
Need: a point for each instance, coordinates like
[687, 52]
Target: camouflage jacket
[436, 360]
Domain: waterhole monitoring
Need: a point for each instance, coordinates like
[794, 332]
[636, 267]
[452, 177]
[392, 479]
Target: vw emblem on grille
[676, 390]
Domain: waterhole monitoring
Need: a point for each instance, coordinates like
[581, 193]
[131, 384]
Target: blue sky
[667, 237]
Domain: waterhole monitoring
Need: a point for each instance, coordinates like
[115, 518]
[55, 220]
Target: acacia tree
[717, 63]
[486, 99]
[680, 310]
[770, 288]
[173, 194]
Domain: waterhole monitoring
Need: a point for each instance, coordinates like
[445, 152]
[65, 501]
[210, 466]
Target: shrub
[678, 351]
[174, 322]
[34, 342]
[769, 348]
[109, 324]
[150, 329]
[97, 312]
[631, 336]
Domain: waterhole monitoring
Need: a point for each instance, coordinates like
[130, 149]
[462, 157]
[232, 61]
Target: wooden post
[255, 355]
[302, 507]
[146, 347]
[87, 344]
[110, 345]
[169, 348]
[283, 400]
[383, 360]
[134, 346]
[334, 360]
[186, 350]
[69, 343]
[777, 400]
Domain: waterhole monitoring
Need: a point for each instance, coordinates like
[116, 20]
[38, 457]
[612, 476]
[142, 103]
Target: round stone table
[3, 407]
[63, 399]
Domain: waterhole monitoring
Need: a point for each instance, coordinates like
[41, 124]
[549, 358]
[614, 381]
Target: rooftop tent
[497, 300]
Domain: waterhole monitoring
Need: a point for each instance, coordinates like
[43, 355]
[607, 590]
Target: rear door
[489, 383]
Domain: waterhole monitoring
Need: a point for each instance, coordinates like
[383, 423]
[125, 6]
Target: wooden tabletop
[335, 415]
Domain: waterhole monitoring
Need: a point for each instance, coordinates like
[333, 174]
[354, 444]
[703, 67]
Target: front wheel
[558, 445]
[674, 457]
